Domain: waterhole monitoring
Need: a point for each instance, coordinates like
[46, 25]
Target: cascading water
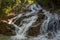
[49, 29]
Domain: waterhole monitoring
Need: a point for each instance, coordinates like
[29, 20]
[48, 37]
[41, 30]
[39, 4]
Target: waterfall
[50, 28]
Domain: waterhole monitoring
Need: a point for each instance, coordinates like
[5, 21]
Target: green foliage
[7, 5]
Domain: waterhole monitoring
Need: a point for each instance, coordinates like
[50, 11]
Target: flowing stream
[50, 28]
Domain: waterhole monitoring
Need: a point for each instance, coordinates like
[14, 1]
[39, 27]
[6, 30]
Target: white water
[50, 25]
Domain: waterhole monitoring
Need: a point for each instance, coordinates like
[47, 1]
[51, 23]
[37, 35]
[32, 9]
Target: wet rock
[6, 29]
[49, 35]
[35, 29]
[18, 21]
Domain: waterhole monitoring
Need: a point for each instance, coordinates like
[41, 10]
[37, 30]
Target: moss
[2, 37]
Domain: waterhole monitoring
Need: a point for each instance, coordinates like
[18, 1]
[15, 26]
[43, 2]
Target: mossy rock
[3, 37]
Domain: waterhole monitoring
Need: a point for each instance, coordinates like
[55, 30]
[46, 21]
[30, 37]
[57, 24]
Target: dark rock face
[34, 31]
[56, 3]
[49, 4]
[6, 29]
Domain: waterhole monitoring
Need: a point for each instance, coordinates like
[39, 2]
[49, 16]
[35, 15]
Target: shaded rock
[51, 5]
[5, 29]
[34, 31]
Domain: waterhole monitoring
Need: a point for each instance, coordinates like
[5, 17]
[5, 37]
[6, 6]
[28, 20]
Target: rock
[5, 29]
[35, 29]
